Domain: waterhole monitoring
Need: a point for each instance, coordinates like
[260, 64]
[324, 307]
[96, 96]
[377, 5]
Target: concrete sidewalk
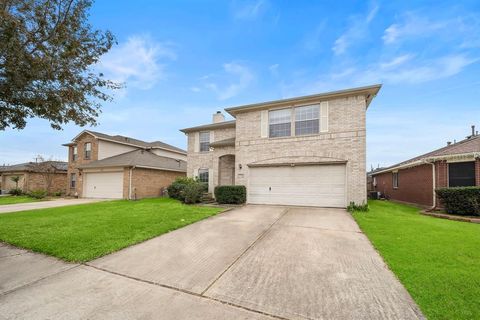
[255, 262]
[44, 204]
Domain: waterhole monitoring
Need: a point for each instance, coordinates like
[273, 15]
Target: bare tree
[46, 168]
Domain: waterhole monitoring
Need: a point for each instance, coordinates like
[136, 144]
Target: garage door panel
[108, 185]
[316, 185]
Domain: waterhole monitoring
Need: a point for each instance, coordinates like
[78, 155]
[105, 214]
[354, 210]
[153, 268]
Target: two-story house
[306, 151]
[116, 167]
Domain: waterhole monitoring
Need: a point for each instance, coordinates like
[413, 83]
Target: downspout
[130, 183]
[434, 200]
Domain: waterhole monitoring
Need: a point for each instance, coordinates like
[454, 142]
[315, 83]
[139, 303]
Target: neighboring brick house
[415, 180]
[47, 175]
[307, 151]
[116, 167]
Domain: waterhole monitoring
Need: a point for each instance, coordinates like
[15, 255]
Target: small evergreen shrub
[38, 194]
[15, 192]
[193, 193]
[187, 190]
[58, 193]
[460, 200]
[352, 207]
[231, 194]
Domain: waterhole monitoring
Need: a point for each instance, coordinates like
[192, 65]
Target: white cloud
[415, 26]
[251, 10]
[274, 69]
[397, 61]
[237, 76]
[137, 62]
[357, 30]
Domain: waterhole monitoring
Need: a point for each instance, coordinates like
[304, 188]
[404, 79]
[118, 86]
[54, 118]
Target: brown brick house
[415, 180]
[119, 167]
[46, 175]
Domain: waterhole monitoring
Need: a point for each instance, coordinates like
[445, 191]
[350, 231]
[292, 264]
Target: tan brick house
[47, 175]
[307, 151]
[118, 167]
[415, 180]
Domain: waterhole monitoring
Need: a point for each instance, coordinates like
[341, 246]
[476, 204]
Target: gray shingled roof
[218, 125]
[139, 158]
[30, 166]
[469, 145]
[136, 142]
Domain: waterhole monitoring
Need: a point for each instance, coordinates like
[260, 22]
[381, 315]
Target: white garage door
[107, 185]
[313, 185]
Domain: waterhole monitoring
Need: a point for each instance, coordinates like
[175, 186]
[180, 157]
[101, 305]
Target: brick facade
[73, 165]
[477, 172]
[414, 185]
[344, 141]
[31, 181]
[148, 183]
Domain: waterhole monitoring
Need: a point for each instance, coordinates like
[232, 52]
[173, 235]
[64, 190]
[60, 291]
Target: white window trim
[323, 118]
[209, 133]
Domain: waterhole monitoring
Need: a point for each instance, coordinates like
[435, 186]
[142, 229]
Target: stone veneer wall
[72, 165]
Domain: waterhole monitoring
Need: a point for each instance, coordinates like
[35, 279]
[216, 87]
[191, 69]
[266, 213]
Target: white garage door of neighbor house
[312, 185]
[107, 185]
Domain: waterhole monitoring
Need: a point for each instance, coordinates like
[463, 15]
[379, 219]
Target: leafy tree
[47, 54]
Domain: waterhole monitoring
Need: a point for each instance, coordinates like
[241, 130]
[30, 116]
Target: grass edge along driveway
[84, 232]
[437, 260]
[4, 200]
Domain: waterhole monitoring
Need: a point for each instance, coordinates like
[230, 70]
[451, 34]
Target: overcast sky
[183, 60]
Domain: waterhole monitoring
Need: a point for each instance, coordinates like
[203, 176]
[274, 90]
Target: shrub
[183, 188]
[58, 193]
[193, 193]
[16, 192]
[460, 200]
[38, 194]
[352, 207]
[231, 194]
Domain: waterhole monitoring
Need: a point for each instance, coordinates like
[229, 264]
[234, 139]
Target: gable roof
[468, 146]
[130, 141]
[30, 166]
[369, 91]
[139, 158]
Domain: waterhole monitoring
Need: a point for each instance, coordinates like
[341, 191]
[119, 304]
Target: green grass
[83, 232]
[437, 260]
[17, 199]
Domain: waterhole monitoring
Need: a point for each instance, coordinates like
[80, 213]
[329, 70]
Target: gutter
[130, 183]
[434, 183]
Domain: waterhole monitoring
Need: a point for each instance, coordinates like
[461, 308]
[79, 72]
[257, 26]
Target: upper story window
[87, 150]
[307, 120]
[395, 180]
[461, 174]
[280, 123]
[204, 141]
[73, 180]
[74, 153]
[203, 175]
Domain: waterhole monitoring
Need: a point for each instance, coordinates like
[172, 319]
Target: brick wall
[36, 181]
[148, 183]
[477, 172]
[73, 165]
[414, 185]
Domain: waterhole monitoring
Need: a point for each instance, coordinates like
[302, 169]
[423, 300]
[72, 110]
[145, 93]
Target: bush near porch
[187, 190]
[461, 200]
[231, 194]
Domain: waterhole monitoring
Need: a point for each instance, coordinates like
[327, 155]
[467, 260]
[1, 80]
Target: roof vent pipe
[473, 130]
[449, 143]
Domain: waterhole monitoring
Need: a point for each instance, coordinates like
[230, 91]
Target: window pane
[204, 141]
[307, 120]
[280, 123]
[461, 174]
[203, 175]
[73, 179]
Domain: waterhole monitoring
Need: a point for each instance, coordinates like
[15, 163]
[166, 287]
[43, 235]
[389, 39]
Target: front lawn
[437, 260]
[83, 232]
[17, 199]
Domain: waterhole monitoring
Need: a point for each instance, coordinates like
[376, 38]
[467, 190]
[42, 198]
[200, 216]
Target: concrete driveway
[44, 204]
[255, 262]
